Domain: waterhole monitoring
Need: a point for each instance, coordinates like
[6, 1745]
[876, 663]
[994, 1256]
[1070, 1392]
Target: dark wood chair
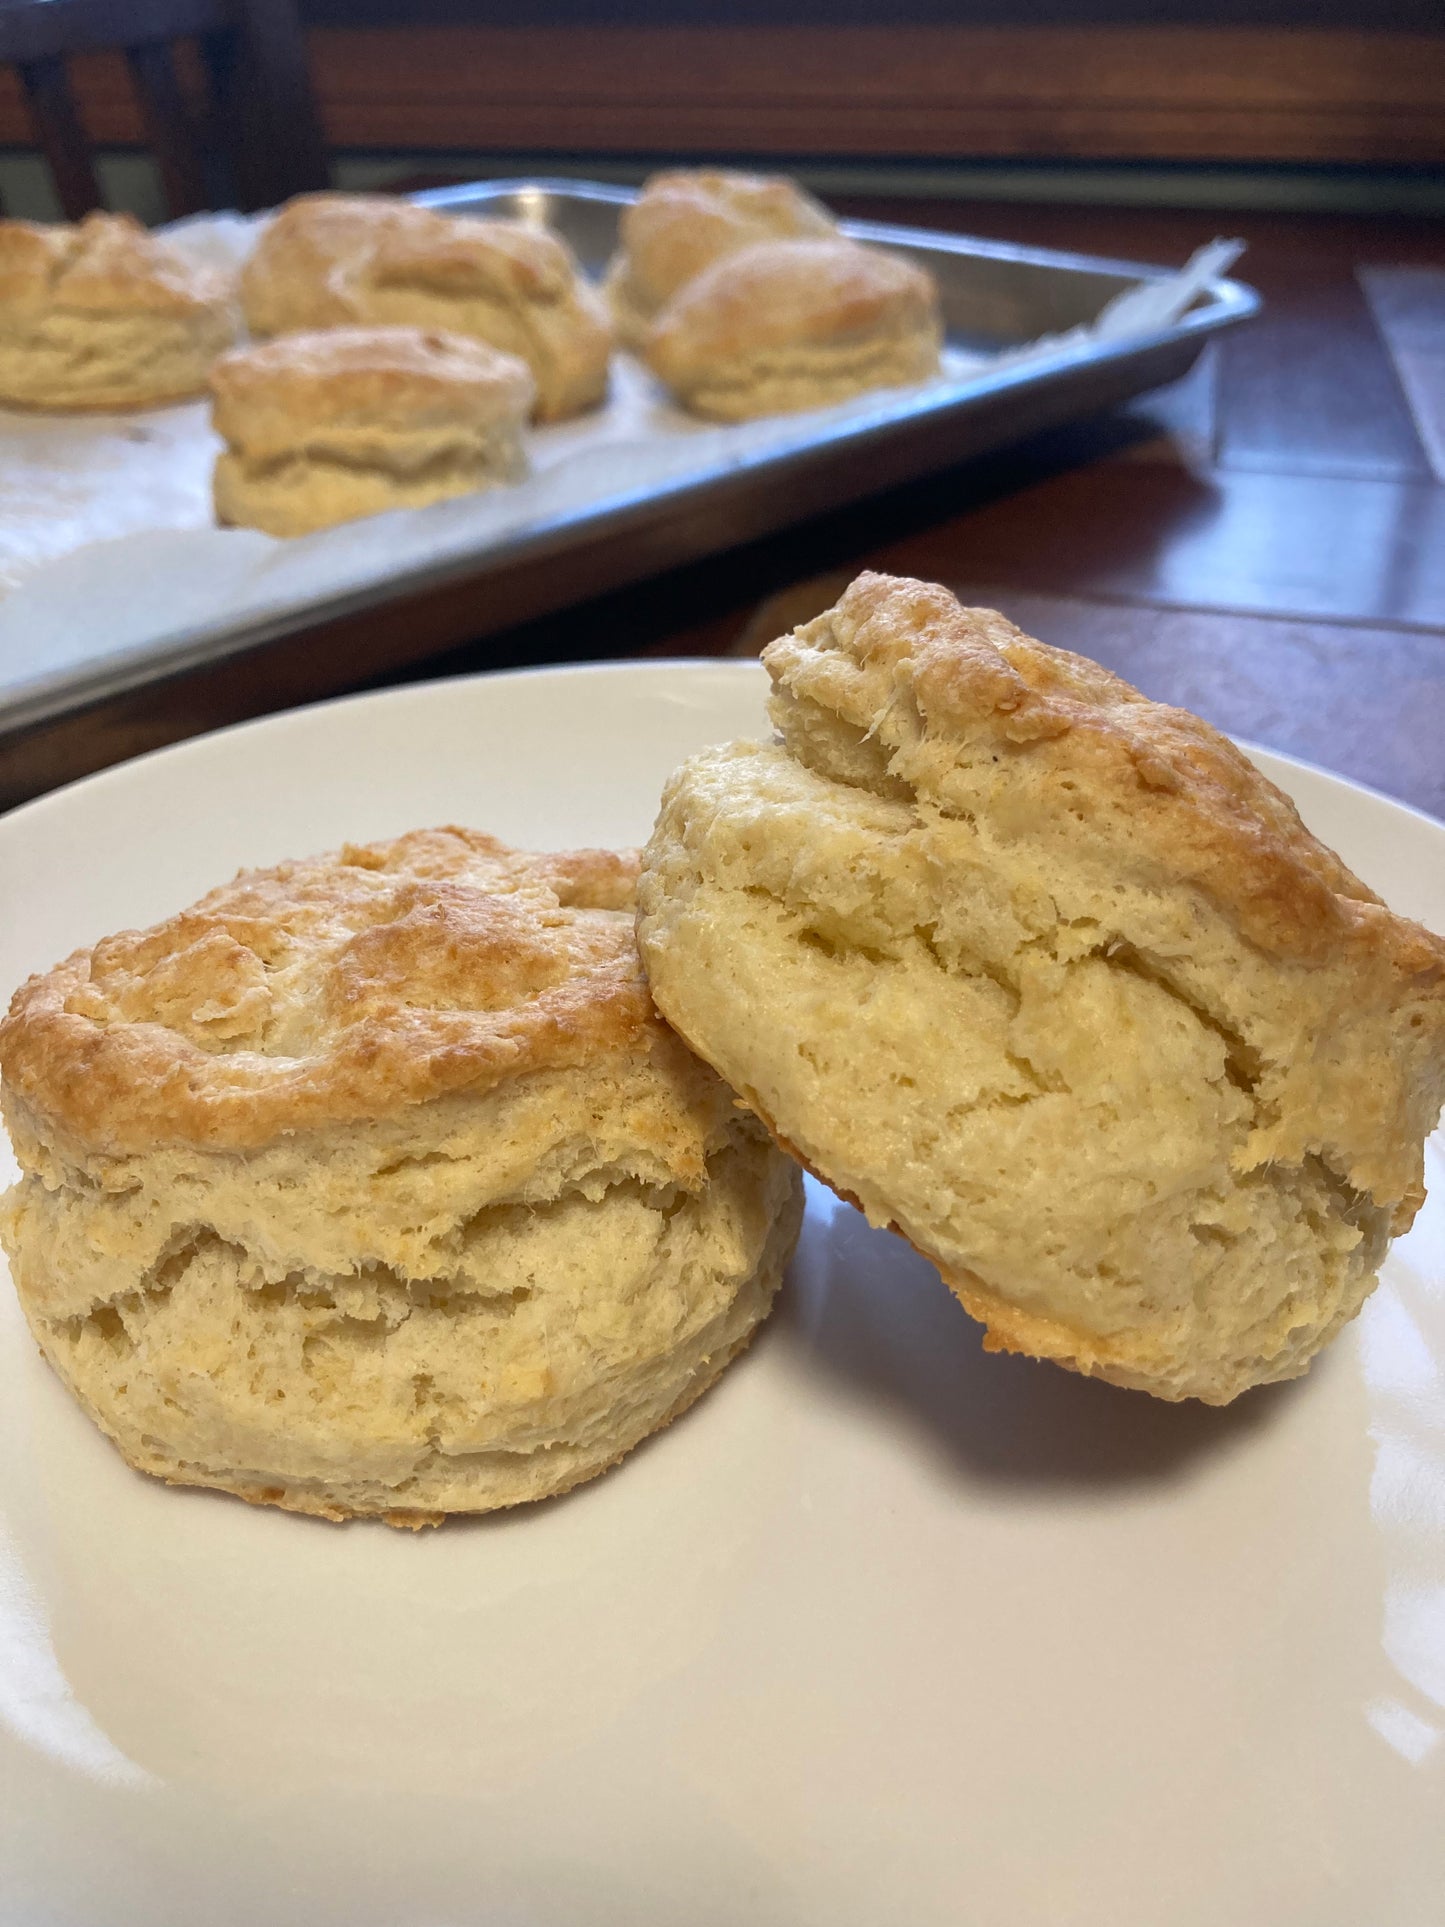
[236, 127]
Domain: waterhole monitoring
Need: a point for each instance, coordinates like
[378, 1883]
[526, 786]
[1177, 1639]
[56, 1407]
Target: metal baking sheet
[606, 532]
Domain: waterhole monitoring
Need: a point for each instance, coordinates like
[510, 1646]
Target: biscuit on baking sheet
[104, 315]
[685, 220]
[509, 284]
[373, 1183]
[1051, 979]
[325, 427]
[300, 272]
[787, 325]
[330, 259]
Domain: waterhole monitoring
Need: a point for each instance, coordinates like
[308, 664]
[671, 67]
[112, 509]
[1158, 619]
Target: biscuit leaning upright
[373, 1184]
[1051, 979]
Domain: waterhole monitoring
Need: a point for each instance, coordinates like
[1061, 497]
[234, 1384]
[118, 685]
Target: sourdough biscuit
[105, 315]
[685, 220]
[787, 325]
[322, 428]
[1051, 979]
[373, 1184]
[331, 260]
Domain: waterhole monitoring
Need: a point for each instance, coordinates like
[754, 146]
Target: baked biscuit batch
[387, 1183]
[736, 291]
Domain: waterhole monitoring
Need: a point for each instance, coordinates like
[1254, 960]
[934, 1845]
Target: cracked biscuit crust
[331, 990]
[1048, 977]
[299, 273]
[374, 1185]
[517, 287]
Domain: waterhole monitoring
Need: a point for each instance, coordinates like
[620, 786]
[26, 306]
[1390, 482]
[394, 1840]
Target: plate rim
[16, 818]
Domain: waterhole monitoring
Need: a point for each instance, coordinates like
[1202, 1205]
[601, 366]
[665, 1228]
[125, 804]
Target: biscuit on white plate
[787, 325]
[329, 260]
[686, 219]
[104, 315]
[1048, 977]
[373, 1183]
[325, 427]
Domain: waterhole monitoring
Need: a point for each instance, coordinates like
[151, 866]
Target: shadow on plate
[866, 1310]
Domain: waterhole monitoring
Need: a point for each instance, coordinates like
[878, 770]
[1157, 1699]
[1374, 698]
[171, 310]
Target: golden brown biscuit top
[972, 715]
[459, 254]
[107, 263]
[331, 224]
[685, 220]
[271, 398]
[786, 294]
[334, 989]
[331, 248]
[309, 246]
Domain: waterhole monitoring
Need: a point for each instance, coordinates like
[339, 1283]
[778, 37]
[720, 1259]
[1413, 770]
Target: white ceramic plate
[885, 1631]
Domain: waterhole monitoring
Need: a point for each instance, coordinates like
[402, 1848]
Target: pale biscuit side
[327, 426]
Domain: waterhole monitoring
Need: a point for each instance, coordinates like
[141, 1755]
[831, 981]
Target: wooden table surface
[1263, 543]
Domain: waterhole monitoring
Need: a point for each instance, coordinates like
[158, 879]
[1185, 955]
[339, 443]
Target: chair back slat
[280, 148]
[62, 138]
[257, 140]
[170, 126]
[220, 60]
